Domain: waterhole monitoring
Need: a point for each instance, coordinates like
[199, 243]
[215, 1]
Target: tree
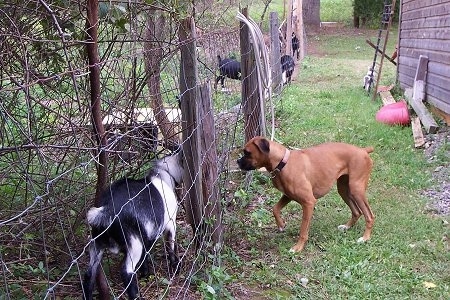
[367, 13]
[311, 12]
[153, 48]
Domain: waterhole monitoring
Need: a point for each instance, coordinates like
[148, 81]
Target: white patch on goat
[134, 253]
[150, 229]
[114, 250]
[92, 214]
[284, 77]
[170, 204]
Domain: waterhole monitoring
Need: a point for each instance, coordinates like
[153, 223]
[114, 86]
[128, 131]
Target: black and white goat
[230, 68]
[132, 215]
[368, 78]
[287, 68]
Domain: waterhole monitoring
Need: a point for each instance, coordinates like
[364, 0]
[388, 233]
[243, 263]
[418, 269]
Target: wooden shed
[424, 29]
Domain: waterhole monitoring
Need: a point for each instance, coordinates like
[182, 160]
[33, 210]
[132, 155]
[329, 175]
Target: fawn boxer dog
[308, 174]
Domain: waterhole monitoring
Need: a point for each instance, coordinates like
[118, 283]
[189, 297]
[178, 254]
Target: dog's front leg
[277, 211]
[308, 209]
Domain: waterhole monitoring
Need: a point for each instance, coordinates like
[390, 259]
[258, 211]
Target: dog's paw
[360, 240]
[343, 227]
[296, 248]
[281, 229]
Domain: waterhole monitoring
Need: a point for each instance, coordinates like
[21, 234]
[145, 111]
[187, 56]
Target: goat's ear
[263, 145]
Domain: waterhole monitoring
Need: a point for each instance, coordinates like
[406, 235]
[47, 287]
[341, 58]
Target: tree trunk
[153, 55]
[96, 117]
[311, 12]
[192, 177]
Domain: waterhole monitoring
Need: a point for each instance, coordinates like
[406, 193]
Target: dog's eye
[246, 153]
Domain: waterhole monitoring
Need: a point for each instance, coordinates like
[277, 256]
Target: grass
[408, 255]
[336, 11]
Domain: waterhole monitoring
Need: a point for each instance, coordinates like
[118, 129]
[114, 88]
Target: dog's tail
[219, 59]
[368, 149]
[98, 217]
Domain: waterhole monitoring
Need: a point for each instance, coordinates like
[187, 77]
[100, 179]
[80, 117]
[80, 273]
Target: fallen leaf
[429, 285]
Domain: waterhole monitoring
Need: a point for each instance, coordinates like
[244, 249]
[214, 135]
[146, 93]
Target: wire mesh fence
[50, 153]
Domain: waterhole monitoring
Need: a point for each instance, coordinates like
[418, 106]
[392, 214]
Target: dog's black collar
[282, 163]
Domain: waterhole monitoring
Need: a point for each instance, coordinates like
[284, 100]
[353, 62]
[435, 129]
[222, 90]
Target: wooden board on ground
[419, 140]
[421, 110]
[386, 97]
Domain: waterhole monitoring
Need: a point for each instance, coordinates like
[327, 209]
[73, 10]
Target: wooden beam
[442, 114]
[379, 51]
[422, 112]
[416, 96]
[386, 97]
[421, 72]
[419, 141]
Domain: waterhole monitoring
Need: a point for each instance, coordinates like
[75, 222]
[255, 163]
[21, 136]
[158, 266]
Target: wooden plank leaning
[416, 96]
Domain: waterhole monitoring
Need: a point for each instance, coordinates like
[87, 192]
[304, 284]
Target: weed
[214, 286]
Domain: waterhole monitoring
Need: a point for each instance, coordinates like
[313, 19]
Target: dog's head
[255, 154]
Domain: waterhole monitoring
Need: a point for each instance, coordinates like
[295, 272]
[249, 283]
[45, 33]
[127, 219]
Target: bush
[368, 12]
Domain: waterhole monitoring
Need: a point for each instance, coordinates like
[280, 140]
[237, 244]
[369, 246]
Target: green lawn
[408, 255]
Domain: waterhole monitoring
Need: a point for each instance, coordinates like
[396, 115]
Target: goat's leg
[219, 78]
[144, 270]
[144, 264]
[170, 247]
[95, 254]
[132, 258]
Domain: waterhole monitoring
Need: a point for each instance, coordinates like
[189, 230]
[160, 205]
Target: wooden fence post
[213, 209]
[289, 29]
[275, 54]
[192, 178]
[300, 30]
[250, 95]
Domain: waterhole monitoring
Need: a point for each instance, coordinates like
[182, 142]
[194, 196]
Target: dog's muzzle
[244, 164]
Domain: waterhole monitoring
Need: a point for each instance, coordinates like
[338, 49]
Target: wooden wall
[425, 30]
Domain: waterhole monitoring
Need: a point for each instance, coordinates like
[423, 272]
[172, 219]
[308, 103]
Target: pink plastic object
[394, 114]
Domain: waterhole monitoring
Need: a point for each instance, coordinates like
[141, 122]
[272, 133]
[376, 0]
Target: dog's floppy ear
[263, 145]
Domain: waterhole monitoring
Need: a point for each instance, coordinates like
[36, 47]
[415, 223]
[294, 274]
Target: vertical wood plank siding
[425, 30]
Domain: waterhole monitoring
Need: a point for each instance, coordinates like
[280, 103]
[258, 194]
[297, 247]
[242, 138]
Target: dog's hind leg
[360, 198]
[357, 190]
[96, 254]
[344, 192]
[277, 212]
[131, 260]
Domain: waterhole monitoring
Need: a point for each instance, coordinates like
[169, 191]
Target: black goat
[230, 68]
[287, 68]
[295, 46]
